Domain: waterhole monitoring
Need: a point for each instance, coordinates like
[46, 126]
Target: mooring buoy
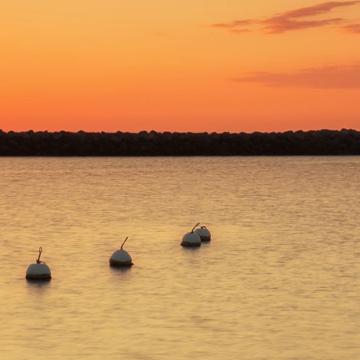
[121, 258]
[204, 233]
[192, 238]
[38, 271]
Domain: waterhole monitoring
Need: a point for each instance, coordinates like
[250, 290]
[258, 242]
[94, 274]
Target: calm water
[280, 281]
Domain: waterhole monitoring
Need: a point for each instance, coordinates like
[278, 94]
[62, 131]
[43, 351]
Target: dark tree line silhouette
[62, 143]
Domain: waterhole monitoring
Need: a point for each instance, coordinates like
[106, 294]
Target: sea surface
[279, 281]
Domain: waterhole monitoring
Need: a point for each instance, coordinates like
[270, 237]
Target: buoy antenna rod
[123, 243]
[195, 227]
[38, 259]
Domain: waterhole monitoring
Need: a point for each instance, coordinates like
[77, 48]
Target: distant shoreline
[87, 144]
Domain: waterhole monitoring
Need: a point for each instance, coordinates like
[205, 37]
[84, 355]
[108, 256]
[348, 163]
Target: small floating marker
[121, 258]
[39, 271]
[191, 239]
[204, 233]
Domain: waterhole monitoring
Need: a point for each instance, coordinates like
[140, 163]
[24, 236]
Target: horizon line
[30, 131]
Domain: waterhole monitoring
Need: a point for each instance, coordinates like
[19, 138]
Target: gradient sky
[180, 65]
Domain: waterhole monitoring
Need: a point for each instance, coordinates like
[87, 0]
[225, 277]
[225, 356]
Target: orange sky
[180, 65]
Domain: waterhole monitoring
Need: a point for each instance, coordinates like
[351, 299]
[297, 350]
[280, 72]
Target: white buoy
[191, 239]
[204, 233]
[38, 271]
[121, 258]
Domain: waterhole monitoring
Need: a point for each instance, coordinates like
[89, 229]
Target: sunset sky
[180, 65]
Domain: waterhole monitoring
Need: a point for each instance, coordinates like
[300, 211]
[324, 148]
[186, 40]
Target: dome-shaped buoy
[204, 233]
[39, 271]
[191, 239]
[121, 258]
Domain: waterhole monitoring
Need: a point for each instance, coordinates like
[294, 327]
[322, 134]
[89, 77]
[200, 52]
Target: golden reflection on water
[280, 280]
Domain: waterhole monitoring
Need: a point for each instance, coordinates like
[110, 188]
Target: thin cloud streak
[291, 20]
[352, 28]
[327, 77]
[236, 26]
[318, 9]
[281, 24]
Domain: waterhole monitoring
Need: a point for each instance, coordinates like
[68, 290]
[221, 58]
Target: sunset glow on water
[280, 279]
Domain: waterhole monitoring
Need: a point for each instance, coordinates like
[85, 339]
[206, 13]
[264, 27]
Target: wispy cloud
[290, 20]
[282, 24]
[318, 9]
[237, 25]
[327, 77]
[352, 28]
